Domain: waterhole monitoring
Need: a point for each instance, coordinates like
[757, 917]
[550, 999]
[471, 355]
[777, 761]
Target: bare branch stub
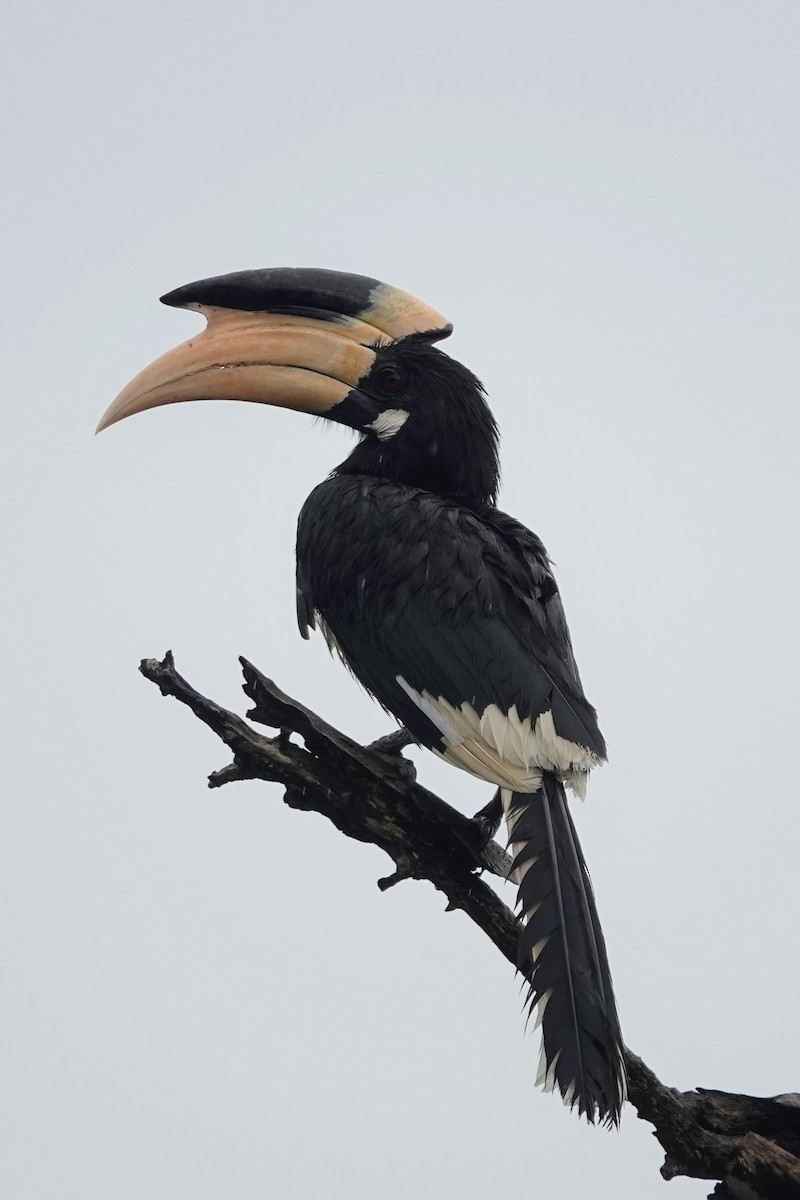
[751, 1145]
[393, 743]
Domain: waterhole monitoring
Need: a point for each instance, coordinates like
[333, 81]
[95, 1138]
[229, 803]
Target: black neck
[461, 472]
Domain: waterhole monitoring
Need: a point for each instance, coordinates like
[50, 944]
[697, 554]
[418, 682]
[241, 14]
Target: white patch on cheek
[388, 423]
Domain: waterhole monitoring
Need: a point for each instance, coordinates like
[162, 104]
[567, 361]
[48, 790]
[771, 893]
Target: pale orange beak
[294, 337]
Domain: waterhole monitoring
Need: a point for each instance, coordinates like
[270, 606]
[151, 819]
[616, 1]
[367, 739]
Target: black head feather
[447, 443]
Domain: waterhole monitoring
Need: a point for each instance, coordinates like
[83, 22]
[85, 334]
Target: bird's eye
[390, 380]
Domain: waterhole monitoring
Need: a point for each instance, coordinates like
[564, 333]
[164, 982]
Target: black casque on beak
[296, 337]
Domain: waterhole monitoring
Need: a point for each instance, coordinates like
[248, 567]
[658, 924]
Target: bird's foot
[487, 821]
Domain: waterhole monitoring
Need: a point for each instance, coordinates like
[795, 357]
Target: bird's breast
[413, 591]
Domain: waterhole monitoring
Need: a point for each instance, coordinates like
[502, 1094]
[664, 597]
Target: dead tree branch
[750, 1145]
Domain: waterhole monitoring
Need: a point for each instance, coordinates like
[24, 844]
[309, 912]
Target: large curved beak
[295, 337]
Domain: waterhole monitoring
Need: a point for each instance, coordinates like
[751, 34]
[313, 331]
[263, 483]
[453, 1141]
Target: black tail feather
[561, 940]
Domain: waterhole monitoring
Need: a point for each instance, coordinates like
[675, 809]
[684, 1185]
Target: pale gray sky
[205, 995]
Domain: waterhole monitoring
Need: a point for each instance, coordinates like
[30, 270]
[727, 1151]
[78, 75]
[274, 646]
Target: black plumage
[443, 606]
[561, 932]
[415, 585]
[425, 587]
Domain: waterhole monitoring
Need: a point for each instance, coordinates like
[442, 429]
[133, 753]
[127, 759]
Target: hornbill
[444, 607]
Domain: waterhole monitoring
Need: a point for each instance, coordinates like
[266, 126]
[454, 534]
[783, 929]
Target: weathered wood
[750, 1144]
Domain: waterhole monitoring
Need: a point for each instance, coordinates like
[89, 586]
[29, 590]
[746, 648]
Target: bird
[444, 607]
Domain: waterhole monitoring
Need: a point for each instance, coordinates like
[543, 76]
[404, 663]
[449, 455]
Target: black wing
[459, 604]
[451, 617]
